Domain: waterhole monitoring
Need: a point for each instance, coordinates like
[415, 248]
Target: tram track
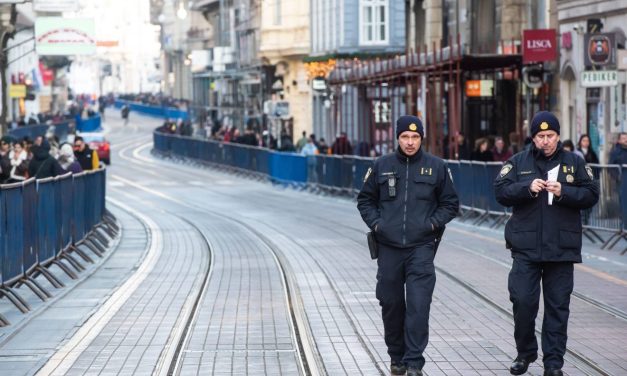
[309, 361]
[579, 360]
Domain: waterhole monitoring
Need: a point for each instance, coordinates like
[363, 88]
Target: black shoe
[553, 372]
[519, 365]
[398, 368]
[414, 371]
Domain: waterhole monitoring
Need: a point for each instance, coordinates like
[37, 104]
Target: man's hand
[554, 187]
[538, 185]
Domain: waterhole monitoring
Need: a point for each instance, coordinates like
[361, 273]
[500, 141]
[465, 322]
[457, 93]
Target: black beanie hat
[409, 123]
[544, 121]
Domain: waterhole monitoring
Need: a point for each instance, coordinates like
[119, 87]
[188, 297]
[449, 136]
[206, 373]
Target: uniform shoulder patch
[368, 174]
[505, 169]
[589, 171]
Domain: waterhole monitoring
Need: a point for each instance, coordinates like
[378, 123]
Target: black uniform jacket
[538, 231]
[421, 195]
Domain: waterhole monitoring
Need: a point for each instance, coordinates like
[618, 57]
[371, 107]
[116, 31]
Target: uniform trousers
[405, 283]
[524, 292]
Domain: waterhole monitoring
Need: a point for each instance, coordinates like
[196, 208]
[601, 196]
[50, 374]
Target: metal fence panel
[14, 255]
[492, 171]
[78, 228]
[64, 194]
[607, 213]
[480, 185]
[3, 234]
[466, 191]
[46, 213]
[361, 168]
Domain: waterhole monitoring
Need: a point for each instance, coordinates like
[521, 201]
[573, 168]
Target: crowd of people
[43, 157]
[495, 150]
[156, 99]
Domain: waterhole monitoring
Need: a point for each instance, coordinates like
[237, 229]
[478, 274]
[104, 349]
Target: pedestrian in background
[43, 165]
[584, 147]
[481, 152]
[499, 152]
[619, 152]
[67, 160]
[87, 158]
[547, 188]
[406, 200]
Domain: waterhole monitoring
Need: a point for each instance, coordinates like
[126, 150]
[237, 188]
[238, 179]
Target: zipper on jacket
[405, 202]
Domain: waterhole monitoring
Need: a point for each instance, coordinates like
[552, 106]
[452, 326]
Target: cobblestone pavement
[243, 277]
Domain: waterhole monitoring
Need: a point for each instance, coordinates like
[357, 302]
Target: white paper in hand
[552, 176]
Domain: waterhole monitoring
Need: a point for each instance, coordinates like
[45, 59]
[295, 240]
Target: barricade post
[64, 195]
[78, 228]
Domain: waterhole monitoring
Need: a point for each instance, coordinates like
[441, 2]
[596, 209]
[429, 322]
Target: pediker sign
[539, 45]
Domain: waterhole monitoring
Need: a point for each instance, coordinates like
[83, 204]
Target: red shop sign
[539, 45]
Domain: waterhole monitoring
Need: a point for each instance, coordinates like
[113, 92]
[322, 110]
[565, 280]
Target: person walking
[547, 187]
[406, 200]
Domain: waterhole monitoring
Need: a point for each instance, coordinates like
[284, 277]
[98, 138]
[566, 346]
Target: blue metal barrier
[14, 255]
[361, 168]
[623, 195]
[466, 190]
[157, 111]
[41, 219]
[473, 181]
[61, 130]
[288, 167]
[78, 220]
[47, 208]
[454, 168]
[492, 171]
[480, 186]
[347, 173]
[64, 196]
[91, 124]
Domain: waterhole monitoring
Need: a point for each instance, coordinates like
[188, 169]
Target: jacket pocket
[523, 240]
[570, 239]
[424, 186]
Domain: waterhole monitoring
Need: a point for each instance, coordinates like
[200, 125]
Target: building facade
[284, 43]
[592, 77]
[359, 30]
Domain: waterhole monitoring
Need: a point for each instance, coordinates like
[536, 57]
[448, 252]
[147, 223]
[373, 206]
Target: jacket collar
[403, 157]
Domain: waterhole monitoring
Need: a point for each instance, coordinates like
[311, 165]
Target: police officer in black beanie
[547, 188]
[407, 199]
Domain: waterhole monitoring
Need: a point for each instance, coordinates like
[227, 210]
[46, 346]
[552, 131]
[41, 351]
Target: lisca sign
[539, 45]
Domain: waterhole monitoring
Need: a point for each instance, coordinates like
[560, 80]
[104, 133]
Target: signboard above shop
[599, 78]
[55, 5]
[65, 36]
[479, 88]
[600, 50]
[539, 45]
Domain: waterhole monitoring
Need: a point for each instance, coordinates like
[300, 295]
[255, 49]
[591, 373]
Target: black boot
[414, 371]
[519, 365]
[553, 372]
[397, 368]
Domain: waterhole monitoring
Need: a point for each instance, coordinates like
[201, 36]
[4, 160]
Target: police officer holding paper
[407, 199]
[547, 188]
